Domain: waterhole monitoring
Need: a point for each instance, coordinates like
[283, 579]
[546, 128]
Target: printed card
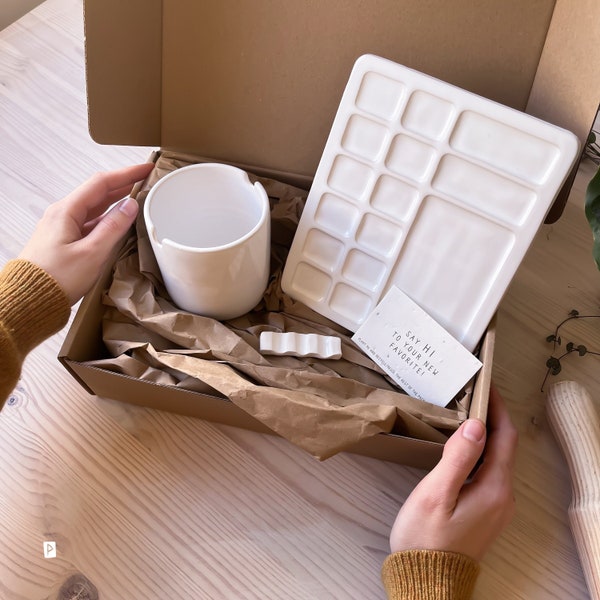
[414, 350]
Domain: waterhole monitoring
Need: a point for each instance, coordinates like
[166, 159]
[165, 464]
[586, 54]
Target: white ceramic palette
[427, 187]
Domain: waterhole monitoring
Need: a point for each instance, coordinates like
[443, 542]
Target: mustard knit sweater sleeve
[32, 308]
[429, 575]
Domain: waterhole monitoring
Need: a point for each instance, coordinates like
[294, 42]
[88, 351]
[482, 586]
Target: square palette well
[427, 187]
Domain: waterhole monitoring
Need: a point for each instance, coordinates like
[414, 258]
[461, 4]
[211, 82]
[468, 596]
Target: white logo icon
[49, 549]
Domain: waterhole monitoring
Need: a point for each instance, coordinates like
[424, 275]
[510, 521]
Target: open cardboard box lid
[258, 83]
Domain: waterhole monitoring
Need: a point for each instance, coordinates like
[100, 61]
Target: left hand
[76, 235]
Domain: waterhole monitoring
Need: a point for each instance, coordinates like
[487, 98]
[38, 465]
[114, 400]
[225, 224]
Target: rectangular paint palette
[427, 187]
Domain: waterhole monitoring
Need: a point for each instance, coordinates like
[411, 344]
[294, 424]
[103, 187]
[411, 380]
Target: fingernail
[129, 207]
[473, 430]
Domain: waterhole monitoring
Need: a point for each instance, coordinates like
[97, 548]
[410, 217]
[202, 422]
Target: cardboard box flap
[566, 90]
[258, 83]
[123, 43]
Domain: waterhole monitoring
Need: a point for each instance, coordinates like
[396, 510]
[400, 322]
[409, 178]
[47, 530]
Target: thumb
[111, 227]
[461, 453]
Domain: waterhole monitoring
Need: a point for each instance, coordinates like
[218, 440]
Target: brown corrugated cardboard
[213, 78]
[258, 84]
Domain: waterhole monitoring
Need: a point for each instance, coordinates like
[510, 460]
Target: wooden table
[147, 504]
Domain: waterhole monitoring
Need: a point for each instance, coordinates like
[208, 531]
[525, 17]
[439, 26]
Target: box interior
[83, 343]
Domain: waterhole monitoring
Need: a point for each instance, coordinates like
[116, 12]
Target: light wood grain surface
[152, 505]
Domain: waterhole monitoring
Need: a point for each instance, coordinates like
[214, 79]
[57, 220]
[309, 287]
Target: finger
[501, 449]
[96, 194]
[94, 217]
[111, 227]
[503, 434]
[492, 485]
[461, 453]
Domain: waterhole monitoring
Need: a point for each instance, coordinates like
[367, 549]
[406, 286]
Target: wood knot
[17, 397]
[77, 587]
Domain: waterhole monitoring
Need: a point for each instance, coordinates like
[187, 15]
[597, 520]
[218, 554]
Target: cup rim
[257, 189]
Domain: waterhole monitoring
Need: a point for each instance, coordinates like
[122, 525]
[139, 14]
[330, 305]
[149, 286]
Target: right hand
[444, 512]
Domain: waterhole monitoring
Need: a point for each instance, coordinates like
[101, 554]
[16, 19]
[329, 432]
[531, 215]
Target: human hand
[445, 513]
[75, 236]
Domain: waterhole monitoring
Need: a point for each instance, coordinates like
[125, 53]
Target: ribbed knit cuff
[429, 575]
[32, 307]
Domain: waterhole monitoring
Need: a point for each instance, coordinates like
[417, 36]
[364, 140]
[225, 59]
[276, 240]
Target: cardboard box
[258, 84]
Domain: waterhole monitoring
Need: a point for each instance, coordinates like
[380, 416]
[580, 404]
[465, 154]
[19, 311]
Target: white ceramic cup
[210, 230]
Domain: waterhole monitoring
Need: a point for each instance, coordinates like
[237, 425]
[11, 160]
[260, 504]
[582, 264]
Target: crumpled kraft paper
[323, 406]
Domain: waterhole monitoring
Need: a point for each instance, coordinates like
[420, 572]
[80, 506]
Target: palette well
[427, 187]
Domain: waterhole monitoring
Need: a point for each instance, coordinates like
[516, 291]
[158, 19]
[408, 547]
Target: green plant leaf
[592, 213]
